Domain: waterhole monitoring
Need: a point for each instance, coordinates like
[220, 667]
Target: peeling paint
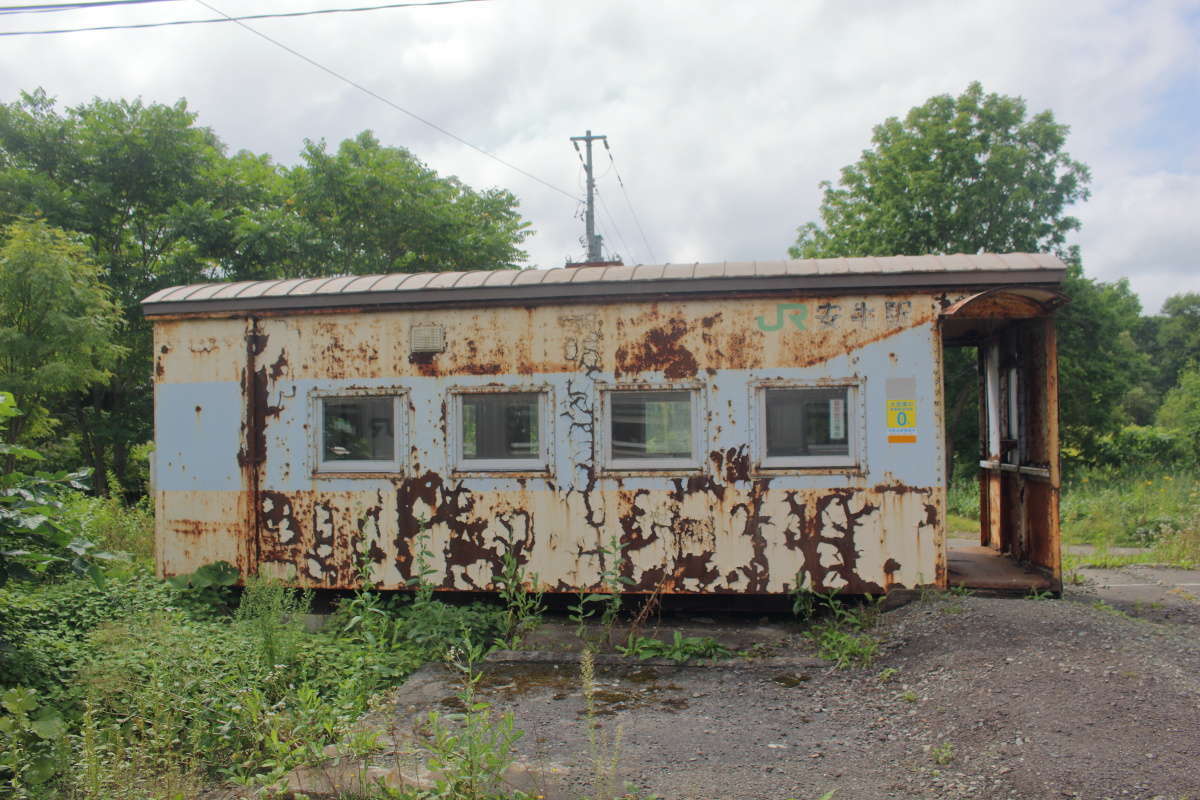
[723, 526]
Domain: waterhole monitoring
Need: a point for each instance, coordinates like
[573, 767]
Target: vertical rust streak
[1054, 533]
[254, 444]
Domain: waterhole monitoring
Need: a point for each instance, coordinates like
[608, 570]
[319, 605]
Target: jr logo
[796, 312]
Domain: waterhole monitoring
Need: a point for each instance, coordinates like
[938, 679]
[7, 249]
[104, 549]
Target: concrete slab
[1161, 593]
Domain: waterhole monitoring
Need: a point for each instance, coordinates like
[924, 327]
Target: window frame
[656, 465]
[854, 459]
[542, 465]
[395, 466]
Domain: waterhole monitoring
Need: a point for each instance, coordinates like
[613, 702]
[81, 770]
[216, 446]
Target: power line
[227, 18]
[42, 8]
[633, 213]
[624, 245]
[390, 103]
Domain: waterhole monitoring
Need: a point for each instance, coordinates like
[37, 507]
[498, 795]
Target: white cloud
[723, 116]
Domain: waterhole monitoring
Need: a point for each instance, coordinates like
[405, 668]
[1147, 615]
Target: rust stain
[661, 350]
[733, 463]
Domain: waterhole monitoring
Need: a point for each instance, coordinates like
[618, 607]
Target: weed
[650, 606]
[953, 609]
[522, 609]
[604, 748]
[209, 590]
[113, 525]
[32, 742]
[680, 649]
[909, 696]
[273, 614]
[844, 648]
[607, 598]
[842, 638]
[804, 602]
[926, 592]
[432, 625]
[1130, 506]
[886, 675]
[942, 754]
[1035, 594]
[959, 591]
[1113, 611]
[470, 751]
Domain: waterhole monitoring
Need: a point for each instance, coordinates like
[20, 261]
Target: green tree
[962, 174]
[1180, 410]
[136, 181]
[1098, 358]
[973, 174]
[157, 203]
[379, 209]
[1175, 338]
[57, 323]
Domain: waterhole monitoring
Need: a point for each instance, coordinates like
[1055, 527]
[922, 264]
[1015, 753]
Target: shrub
[1143, 444]
[1180, 410]
[114, 526]
[46, 627]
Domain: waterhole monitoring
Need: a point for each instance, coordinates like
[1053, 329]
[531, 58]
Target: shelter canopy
[976, 273]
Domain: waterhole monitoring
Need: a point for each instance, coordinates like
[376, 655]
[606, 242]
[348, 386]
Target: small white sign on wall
[837, 418]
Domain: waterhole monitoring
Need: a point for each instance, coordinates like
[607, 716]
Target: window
[807, 426]
[500, 431]
[358, 433]
[653, 429]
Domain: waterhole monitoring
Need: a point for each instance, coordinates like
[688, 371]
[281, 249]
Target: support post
[593, 241]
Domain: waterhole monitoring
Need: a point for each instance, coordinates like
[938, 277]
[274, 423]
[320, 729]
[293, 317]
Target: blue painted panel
[728, 401]
[197, 433]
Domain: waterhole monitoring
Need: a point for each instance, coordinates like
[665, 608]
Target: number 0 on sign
[902, 413]
[902, 420]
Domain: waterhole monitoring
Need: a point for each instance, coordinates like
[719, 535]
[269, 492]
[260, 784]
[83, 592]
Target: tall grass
[114, 526]
[1133, 506]
[1130, 507]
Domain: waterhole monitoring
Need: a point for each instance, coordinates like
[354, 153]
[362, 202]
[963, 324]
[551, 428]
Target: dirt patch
[971, 697]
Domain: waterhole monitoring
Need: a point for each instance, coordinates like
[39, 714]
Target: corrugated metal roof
[406, 289]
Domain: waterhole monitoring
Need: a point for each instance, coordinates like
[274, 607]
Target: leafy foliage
[156, 202]
[843, 636]
[35, 539]
[522, 609]
[1098, 359]
[1180, 411]
[681, 649]
[57, 321]
[959, 174]
[470, 751]
[46, 628]
[371, 209]
[208, 590]
[32, 739]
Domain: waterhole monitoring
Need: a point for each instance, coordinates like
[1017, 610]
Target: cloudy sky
[722, 116]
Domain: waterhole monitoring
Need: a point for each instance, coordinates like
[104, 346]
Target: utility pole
[593, 241]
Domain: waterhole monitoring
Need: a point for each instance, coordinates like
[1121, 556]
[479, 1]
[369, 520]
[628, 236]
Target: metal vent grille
[427, 338]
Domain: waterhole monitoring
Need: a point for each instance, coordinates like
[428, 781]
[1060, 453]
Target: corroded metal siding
[236, 428]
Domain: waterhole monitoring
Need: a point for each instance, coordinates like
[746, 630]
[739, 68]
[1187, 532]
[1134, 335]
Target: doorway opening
[1011, 334]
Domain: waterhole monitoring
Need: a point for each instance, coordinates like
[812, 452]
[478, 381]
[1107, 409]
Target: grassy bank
[1110, 508]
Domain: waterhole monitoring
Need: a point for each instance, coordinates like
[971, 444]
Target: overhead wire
[624, 245]
[636, 221]
[390, 103]
[227, 18]
[604, 205]
[44, 8]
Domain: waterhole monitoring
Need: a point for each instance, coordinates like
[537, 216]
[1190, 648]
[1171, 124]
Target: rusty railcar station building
[697, 428]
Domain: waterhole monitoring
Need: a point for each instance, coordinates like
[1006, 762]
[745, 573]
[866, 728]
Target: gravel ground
[970, 697]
